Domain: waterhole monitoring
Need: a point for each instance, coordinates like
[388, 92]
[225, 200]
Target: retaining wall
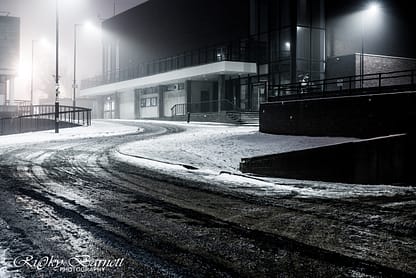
[383, 160]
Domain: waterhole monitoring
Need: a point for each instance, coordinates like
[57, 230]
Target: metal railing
[349, 85]
[243, 50]
[42, 117]
[17, 102]
[210, 106]
[178, 109]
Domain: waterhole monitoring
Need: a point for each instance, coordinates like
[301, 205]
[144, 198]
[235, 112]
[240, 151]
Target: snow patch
[97, 129]
[215, 151]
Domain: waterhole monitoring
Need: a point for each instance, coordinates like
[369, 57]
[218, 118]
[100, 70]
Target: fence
[350, 85]
[243, 50]
[203, 107]
[42, 117]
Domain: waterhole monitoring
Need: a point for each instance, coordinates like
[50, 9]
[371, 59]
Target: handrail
[356, 84]
[181, 109]
[178, 109]
[42, 117]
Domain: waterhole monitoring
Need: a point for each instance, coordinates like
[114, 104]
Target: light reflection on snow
[97, 129]
[215, 148]
[4, 265]
[268, 186]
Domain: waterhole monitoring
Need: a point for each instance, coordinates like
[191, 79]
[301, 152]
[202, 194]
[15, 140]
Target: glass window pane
[318, 44]
[303, 43]
[304, 13]
[285, 46]
[285, 12]
[318, 16]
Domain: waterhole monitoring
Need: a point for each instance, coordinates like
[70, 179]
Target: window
[148, 102]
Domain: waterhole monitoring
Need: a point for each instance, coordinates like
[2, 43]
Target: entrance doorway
[109, 107]
[258, 95]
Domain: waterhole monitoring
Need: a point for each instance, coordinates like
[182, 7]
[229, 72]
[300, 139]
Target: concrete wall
[127, 105]
[205, 117]
[9, 43]
[354, 116]
[3, 90]
[349, 65]
[384, 160]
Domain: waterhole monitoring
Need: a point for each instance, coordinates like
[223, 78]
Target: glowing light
[373, 8]
[90, 28]
[44, 42]
[287, 44]
[24, 71]
[88, 25]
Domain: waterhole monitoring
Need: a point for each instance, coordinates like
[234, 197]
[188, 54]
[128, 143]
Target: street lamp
[31, 76]
[74, 85]
[372, 10]
[57, 71]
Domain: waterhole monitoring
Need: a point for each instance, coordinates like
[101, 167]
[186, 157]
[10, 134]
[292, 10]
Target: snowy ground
[66, 195]
[97, 129]
[212, 152]
[219, 147]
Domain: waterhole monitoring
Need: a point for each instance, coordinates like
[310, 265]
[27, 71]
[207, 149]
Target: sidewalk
[212, 153]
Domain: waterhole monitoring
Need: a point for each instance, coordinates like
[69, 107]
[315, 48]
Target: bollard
[189, 117]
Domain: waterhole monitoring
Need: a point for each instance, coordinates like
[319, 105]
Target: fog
[37, 22]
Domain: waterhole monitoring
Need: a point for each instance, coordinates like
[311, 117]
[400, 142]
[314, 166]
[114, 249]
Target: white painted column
[3, 90]
[11, 90]
[221, 90]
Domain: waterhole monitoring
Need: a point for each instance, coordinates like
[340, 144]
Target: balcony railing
[243, 50]
[349, 85]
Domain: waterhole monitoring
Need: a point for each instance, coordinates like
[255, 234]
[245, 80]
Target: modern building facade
[9, 56]
[168, 58]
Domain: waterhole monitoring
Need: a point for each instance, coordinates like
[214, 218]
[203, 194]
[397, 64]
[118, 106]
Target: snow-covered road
[76, 194]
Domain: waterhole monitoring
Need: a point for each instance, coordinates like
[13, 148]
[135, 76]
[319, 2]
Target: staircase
[244, 118]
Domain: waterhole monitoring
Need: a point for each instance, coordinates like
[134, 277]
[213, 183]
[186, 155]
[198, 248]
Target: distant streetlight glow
[44, 43]
[23, 71]
[88, 25]
[90, 28]
[373, 9]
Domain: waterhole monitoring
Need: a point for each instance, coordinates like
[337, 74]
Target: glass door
[258, 95]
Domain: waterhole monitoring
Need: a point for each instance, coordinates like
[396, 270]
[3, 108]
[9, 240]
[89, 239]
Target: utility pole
[57, 71]
[74, 85]
[31, 77]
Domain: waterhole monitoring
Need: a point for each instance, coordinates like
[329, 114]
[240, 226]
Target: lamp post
[31, 74]
[74, 85]
[57, 71]
[371, 10]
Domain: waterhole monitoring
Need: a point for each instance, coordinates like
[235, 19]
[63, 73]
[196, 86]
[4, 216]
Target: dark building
[9, 55]
[167, 58]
